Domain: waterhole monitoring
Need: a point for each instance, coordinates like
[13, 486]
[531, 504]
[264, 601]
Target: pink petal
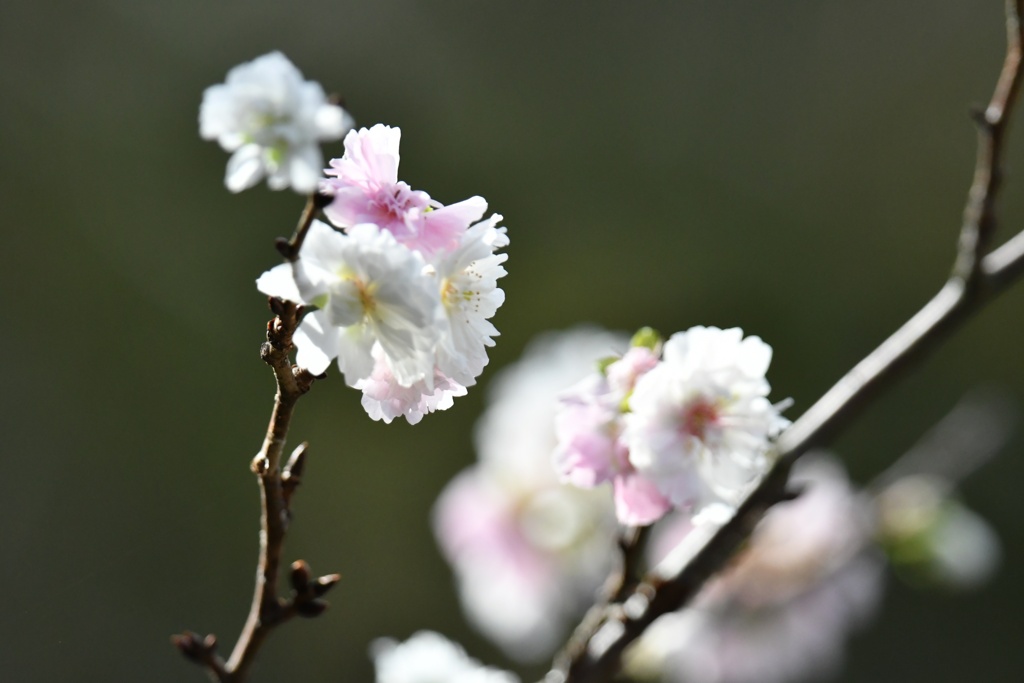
[637, 500]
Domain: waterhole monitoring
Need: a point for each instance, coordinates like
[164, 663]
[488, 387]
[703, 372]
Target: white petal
[304, 168]
[324, 246]
[317, 343]
[344, 307]
[355, 359]
[332, 122]
[279, 282]
[245, 168]
[755, 357]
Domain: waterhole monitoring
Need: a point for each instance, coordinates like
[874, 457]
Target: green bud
[647, 337]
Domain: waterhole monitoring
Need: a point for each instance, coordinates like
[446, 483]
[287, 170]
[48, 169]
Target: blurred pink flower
[783, 610]
[528, 552]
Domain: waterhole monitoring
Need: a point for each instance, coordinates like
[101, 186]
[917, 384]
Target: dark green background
[797, 168]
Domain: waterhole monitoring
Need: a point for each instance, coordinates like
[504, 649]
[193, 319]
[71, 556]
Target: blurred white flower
[782, 611]
[701, 421]
[429, 657]
[933, 538]
[528, 552]
[273, 121]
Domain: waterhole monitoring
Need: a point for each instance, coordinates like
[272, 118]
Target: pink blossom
[624, 373]
[590, 449]
[366, 189]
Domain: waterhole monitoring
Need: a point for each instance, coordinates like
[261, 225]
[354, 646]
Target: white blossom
[272, 120]
[701, 421]
[429, 657]
[370, 290]
[466, 279]
[468, 282]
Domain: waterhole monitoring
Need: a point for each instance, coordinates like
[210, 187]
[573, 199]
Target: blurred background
[794, 168]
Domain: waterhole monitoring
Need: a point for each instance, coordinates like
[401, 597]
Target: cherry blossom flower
[700, 422]
[370, 290]
[366, 189]
[590, 449]
[405, 291]
[783, 610]
[467, 284]
[528, 552]
[428, 657]
[272, 120]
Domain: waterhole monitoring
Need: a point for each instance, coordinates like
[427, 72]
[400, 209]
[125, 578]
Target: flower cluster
[528, 552]
[273, 121]
[678, 425]
[404, 290]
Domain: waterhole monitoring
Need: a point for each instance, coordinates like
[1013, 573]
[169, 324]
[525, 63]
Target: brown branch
[276, 487]
[267, 610]
[595, 649]
[278, 484]
[289, 249]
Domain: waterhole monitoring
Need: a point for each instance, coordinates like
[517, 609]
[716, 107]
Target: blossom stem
[267, 610]
[276, 484]
[594, 651]
[289, 249]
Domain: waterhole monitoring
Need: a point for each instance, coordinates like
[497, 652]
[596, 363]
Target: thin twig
[277, 485]
[595, 649]
[267, 610]
[289, 249]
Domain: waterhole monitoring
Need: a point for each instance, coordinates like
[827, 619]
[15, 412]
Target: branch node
[265, 352]
[304, 378]
[201, 650]
[321, 201]
[310, 608]
[284, 248]
[277, 306]
[981, 117]
[260, 465]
